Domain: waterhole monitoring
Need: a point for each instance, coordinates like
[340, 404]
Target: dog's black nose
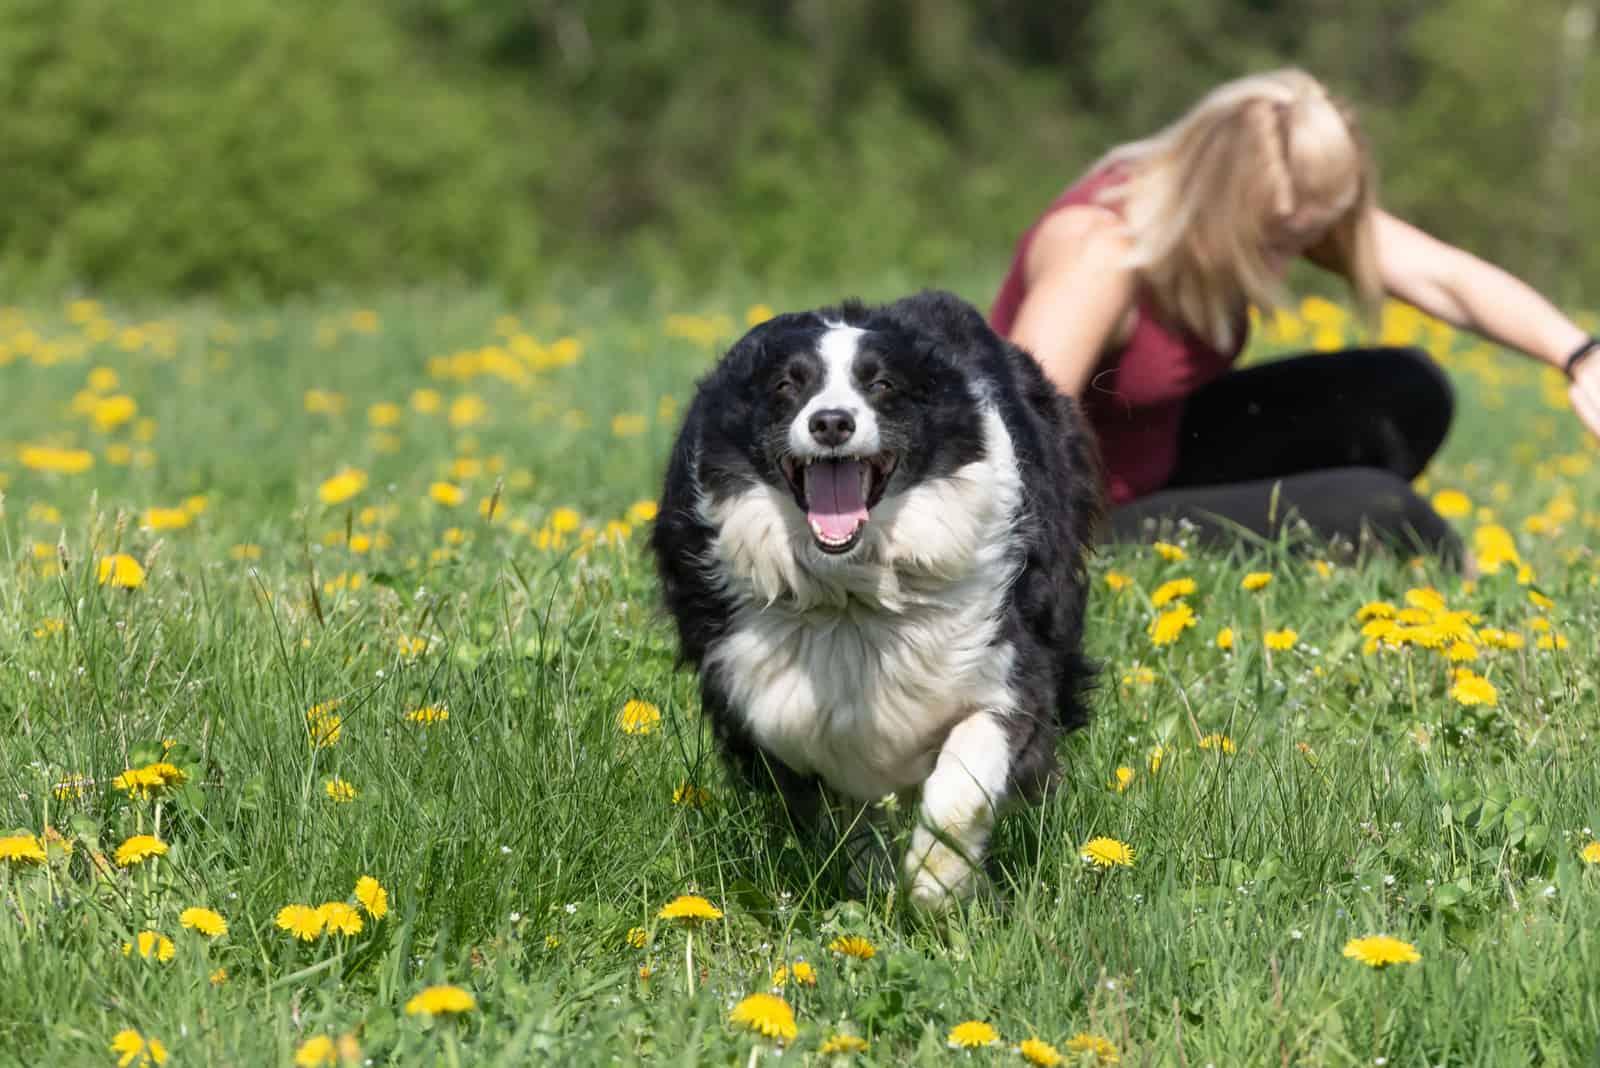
[832, 426]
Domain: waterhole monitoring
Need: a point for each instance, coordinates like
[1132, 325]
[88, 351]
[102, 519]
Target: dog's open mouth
[837, 495]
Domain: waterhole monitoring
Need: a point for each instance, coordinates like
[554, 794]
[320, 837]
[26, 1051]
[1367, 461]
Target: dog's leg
[957, 812]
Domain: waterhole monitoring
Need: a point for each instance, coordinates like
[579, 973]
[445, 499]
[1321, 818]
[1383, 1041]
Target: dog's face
[843, 416]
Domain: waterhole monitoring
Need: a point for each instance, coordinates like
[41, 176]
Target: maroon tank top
[1134, 399]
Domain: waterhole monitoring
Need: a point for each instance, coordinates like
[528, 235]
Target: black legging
[1331, 439]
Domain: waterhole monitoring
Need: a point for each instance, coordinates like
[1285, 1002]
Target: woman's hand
[1585, 393]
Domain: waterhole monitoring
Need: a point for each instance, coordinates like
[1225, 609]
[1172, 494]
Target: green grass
[522, 838]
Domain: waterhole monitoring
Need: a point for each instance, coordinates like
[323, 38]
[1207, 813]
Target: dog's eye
[880, 387]
[784, 388]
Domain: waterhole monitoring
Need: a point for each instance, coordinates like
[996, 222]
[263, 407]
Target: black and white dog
[872, 540]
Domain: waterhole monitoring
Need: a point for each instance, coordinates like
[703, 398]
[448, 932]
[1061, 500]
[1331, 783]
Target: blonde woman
[1133, 291]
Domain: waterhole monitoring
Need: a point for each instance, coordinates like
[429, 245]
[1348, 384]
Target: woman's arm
[1080, 294]
[1463, 290]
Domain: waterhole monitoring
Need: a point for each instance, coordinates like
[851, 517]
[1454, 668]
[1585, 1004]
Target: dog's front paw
[939, 877]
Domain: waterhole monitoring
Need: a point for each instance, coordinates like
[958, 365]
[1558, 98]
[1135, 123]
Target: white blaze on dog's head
[834, 446]
[837, 349]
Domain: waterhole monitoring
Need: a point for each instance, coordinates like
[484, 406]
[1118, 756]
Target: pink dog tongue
[834, 501]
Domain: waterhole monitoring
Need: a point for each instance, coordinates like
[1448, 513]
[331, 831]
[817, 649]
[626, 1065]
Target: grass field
[345, 593]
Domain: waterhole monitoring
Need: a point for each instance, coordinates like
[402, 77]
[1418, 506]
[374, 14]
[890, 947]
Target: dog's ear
[956, 326]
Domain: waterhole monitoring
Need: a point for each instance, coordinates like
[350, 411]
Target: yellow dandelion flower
[385, 414]
[22, 849]
[853, 946]
[114, 411]
[628, 424]
[302, 921]
[149, 780]
[1379, 951]
[122, 571]
[1122, 778]
[765, 1014]
[689, 907]
[1281, 640]
[1139, 676]
[166, 518]
[1461, 652]
[1256, 580]
[565, 520]
[1540, 601]
[1426, 598]
[687, 793]
[1494, 547]
[757, 314]
[1427, 636]
[1157, 754]
[1094, 1045]
[1225, 639]
[55, 460]
[781, 976]
[323, 725]
[1473, 689]
[1116, 581]
[134, 1050]
[467, 409]
[430, 714]
[447, 494]
[343, 486]
[1591, 853]
[339, 791]
[1105, 852]
[437, 1000]
[803, 973]
[1375, 610]
[373, 897]
[72, 788]
[637, 936]
[842, 1044]
[316, 1052]
[972, 1034]
[148, 943]
[1171, 591]
[1169, 552]
[1169, 625]
[138, 849]
[1220, 742]
[340, 918]
[1452, 504]
[207, 921]
[1037, 1051]
[218, 977]
[639, 717]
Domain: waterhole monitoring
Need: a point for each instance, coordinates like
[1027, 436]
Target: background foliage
[257, 148]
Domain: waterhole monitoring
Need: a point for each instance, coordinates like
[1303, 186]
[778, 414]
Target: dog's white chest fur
[856, 669]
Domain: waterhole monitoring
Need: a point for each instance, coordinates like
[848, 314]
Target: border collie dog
[872, 541]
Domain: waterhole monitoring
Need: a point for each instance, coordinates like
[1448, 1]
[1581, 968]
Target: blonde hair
[1203, 195]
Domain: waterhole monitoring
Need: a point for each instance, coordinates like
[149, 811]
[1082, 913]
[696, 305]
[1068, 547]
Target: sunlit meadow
[339, 725]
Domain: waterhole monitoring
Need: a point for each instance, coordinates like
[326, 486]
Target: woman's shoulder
[1079, 233]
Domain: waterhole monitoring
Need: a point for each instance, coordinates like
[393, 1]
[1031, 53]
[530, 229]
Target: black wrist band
[1579, 353]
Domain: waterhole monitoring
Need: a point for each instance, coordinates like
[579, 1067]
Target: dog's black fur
[928, 367]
